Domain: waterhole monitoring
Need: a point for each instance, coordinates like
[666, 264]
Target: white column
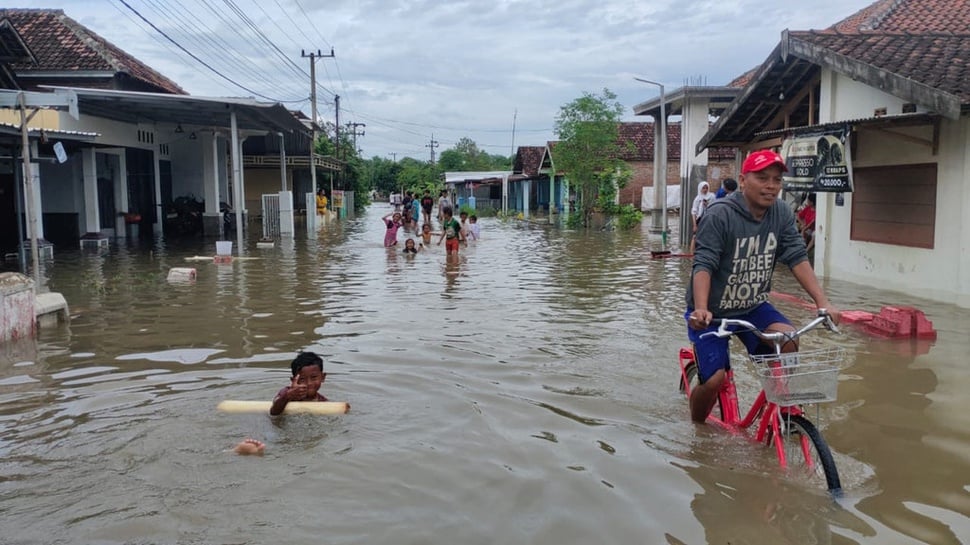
[121, 192]
[89, 169]
[693, 166]
[242, 175]
[236, 175]
[526, 189]
[157, 226]
[505, 194]
[286, 213]
[38, 205]
[210, 173]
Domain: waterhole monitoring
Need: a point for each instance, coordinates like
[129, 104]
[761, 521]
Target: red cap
[761, 160]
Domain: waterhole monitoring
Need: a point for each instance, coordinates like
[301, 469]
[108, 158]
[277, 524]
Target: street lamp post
[660, 187]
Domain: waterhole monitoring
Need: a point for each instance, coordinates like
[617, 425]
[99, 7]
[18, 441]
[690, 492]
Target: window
[895, 205]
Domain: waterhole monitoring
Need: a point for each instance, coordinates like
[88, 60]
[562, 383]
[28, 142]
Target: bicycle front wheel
[807, 453]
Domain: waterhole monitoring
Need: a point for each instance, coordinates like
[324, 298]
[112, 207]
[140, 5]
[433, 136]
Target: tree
[466, 156]
[418, 176]
[588, 150]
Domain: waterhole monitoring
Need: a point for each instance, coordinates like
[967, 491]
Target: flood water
[525, 394]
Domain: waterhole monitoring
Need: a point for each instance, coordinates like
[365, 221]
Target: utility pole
[432, 144]
[353, 129]
[313, 108]
[336, 140]
[394, 155]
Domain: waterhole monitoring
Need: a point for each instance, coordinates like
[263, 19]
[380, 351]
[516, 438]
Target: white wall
[940, 273]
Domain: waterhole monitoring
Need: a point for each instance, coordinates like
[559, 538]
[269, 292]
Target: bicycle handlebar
[778, 337]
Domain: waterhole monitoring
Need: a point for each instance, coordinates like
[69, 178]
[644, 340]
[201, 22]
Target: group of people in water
[454, 232]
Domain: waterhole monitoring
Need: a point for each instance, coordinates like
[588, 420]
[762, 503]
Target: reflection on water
[525, 392]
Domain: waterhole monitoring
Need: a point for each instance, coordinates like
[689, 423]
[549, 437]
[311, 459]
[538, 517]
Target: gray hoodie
[740, 252]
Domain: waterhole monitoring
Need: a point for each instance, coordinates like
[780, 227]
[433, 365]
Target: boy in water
[473, 228]
[426, 233]
[451, 230]
[308, 376]
[463, 219]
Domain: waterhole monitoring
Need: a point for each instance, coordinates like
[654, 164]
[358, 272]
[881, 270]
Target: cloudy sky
[410, 69]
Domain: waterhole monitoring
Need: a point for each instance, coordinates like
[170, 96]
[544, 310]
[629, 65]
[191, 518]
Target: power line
[194, 56]
[184, 20]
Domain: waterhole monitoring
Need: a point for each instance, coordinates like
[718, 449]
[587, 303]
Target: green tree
[465, 155]
[419, 176]
[588, 151]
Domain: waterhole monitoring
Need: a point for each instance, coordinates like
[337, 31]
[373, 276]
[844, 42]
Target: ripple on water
[525, 393]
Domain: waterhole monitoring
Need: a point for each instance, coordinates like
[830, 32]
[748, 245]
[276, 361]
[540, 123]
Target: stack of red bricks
[893, 323]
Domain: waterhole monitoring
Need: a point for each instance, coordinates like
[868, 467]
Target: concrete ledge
[51, 308]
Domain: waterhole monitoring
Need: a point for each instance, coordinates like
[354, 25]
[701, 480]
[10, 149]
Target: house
[894, 80]
[535, 186]
[154, 145]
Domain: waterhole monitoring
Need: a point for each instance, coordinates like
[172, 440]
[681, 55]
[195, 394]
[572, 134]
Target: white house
[898, 75]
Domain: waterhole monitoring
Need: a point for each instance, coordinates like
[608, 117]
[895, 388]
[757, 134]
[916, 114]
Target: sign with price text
[818, 161]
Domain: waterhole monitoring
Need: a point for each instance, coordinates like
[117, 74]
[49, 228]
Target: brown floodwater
[526, 393]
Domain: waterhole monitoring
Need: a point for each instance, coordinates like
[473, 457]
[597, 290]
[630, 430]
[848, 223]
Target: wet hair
[473, 217]
[304, 359]
[463, 213]
[730, 184]
[447, 211]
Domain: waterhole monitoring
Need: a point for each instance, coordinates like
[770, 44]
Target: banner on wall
[818, 161]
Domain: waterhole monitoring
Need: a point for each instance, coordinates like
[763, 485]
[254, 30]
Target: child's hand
[297, 389]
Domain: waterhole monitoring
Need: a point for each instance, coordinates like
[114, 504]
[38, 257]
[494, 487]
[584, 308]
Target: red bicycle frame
[770, 414]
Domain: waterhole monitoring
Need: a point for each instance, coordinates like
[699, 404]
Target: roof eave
[944, 103]
[740, 99]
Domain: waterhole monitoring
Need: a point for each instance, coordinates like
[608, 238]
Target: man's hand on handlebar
[700, 319]
[834, 313]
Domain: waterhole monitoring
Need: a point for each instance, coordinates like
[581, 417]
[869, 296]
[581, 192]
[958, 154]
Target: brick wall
[643, 177]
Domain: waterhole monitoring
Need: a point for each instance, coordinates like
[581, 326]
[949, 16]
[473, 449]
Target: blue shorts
[712, 352]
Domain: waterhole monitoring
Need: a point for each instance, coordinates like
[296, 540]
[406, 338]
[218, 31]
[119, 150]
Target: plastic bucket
[223, 247]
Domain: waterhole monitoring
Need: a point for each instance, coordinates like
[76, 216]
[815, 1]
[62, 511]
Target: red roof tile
[909, 16]
[62, 44]
[938, 61]
[528, 159]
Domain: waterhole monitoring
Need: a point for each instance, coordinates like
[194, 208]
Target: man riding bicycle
[738, 242]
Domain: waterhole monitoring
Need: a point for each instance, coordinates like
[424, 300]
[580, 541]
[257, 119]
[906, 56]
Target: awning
[897, 120]
[137, 107]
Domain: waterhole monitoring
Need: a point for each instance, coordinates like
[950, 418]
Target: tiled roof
[925, 40]
[744, 78]
[909, 16]
[62, 44]
[528, 159]
[940, 61]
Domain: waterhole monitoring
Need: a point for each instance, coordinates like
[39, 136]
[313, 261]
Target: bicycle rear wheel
[807, 453]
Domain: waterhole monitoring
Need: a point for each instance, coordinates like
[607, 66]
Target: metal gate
[271, 215]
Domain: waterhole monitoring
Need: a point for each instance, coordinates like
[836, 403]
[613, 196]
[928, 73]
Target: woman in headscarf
[703, 199]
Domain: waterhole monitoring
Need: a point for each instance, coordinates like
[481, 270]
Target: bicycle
[788, 380]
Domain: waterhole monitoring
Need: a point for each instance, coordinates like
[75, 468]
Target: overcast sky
[410, 69]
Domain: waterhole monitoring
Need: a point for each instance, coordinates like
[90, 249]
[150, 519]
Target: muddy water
[524, 394]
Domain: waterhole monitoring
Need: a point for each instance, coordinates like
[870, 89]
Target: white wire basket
[810, 376]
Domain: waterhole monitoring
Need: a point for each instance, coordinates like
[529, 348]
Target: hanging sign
[818, 161]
